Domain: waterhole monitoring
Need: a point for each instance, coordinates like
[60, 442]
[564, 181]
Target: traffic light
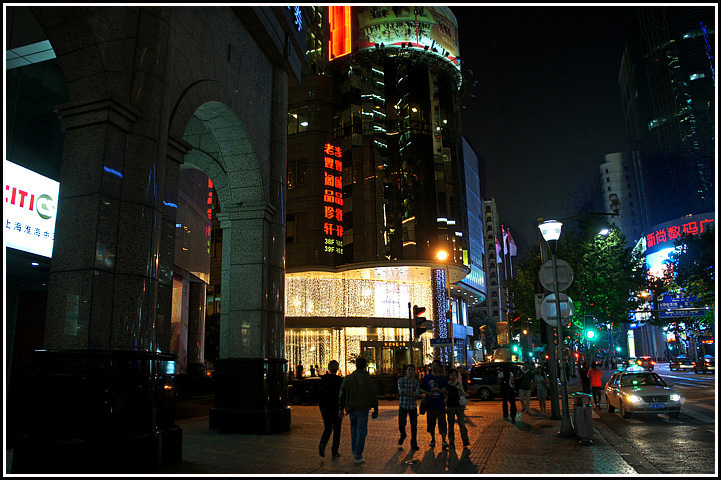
[589, 330]
[420, 323]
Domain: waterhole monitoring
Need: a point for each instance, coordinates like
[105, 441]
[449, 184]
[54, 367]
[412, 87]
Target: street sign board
[564, 272]
[548, 309]
[673, 307]
[440, 342]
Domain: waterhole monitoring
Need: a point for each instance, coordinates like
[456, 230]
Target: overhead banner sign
[30, 209]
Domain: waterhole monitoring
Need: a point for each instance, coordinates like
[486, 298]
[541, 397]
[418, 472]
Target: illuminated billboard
[433, 29]
[659, 242]
[30, 209]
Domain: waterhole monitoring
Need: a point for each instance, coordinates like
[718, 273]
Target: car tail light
[653, 363]
[639, 362]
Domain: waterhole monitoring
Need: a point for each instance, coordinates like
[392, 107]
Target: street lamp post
[551, 231]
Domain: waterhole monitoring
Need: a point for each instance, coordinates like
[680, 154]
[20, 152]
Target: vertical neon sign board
[340, 31]
[332, 199]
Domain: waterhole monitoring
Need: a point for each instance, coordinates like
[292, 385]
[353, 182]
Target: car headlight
[675, 397]
[634, 398]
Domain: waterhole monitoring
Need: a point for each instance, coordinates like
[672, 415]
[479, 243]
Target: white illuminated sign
[30, 208]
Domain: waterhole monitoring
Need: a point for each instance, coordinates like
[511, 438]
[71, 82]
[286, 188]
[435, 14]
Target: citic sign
[30, 208]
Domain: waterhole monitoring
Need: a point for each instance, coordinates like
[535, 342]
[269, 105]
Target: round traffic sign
[565, 275]
[548, 309]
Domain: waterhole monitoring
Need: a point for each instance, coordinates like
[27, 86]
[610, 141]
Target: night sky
[547, 105]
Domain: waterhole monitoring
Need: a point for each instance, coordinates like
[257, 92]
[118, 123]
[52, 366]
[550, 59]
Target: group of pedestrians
[356, 395]
[592, 381]
[527, 378]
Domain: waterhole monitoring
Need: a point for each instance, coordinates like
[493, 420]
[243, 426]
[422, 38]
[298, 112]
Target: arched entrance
[250, 381]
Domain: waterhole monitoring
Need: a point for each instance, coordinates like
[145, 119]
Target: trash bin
[583, 417]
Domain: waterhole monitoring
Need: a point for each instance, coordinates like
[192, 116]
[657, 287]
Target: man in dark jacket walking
[330, 389]
[358, 394]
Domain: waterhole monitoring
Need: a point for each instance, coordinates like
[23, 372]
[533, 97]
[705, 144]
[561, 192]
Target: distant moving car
[305, 391]
[635, 391]
[707, 364]
[682, 362]
[646, 362]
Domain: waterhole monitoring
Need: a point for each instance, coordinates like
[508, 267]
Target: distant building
[618, 182]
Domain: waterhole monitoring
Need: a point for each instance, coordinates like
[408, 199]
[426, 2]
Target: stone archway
[220, 146]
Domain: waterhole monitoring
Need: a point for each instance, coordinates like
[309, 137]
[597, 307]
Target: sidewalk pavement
[530, 446]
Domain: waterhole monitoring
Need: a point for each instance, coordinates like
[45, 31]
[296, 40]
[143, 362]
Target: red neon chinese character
[650, 240]
[328, 162]
[328, 196]
[690, 228]
[705, 221]
[329, 212]
[339, 183]
[339, 198]
[328, 228]
[339, 231]
[339, 165]
[674, 232]
[329, 180]
[338, 152]
[660, 236]
[339, 214]
[328, 149]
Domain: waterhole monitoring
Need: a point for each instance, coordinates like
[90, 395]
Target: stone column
[112, 389]
[251, 394]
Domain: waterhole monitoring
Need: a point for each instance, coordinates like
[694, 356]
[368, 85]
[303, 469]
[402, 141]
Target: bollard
[583, 418]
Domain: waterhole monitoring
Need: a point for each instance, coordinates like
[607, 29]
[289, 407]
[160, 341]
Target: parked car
[305, 391]
[646, 362]
[707, 364]
[682, 362]
[483, 379]
[636, 391]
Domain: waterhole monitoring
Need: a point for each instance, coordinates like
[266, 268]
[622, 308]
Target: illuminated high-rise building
[376, 189]
[667, 82]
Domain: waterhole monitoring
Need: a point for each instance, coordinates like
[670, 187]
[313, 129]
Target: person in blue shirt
[435, 386]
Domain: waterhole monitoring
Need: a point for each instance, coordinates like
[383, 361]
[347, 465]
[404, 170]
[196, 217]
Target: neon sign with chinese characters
[685, 226]
[332, 199]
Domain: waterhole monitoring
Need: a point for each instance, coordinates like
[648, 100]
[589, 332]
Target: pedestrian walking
[525, 385]
[454, 408]
[328, 403]
[358, 394]
[312, 370]
[435, 386]
[544, 386]
[585, 381]
[408, 391]
[299, 371]
[508, 392]
[596, 377]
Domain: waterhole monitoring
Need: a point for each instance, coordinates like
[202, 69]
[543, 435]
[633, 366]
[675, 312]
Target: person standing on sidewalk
[543, 386]
[358, 394]
[525, 384]
[596, 376]
[508, 392]
[328, 403]
[435, 386]
[408, 391]
[454, 409]
[585, 381]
